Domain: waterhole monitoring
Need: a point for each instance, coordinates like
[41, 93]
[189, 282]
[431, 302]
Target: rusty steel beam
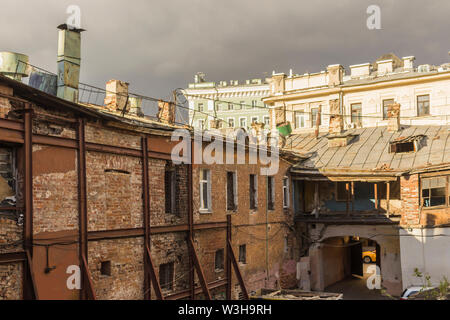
[28, 173]
[82, 206]
[228, 260]
[187, 293]
[237, 271]
[88, 286]
[198, 267]
[191, 224]
[12, 257]
[30, 290]
[146, 220]
[155, 281]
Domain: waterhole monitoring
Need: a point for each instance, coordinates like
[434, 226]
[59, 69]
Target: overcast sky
[158, 46]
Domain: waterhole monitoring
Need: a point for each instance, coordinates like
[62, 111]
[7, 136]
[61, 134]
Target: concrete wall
[386, 236]
[428, 251]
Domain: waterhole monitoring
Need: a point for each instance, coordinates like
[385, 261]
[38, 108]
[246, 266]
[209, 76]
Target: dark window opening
[253, 191]
[434, 191]
[166, 276]
[341, 191]
[270, 193]
[219, 258]
[400, 147]
[116, 171]
[394, 190]
[105, 268]
[170, 187]
[7, 178]
[243, 253]
[231, 191]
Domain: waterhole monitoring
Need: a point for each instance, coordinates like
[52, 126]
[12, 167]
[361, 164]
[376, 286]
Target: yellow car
[369, 256]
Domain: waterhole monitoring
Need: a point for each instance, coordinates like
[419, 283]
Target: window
[242, 104]
[286, 245]
[105, 268]
[7, 178]
[356, 113]
[285, 192]
[266, 120]
[200, 107]
[205, 190]
[401, 147]
[434, 191]
[254, 103]
[253, 191]
[254, 120]
[243, 122]
[423, 105]
[299, 119]
[170, 187]
[201, 124]
[386, 104]
[270, 193]
[231, 191]
[166, 276]
[314, 114]
[219, 260]
[243, 253]
[231, 122]
[230, 106]
[341, 191]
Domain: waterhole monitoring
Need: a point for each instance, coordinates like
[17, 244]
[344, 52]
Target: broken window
[409, 144]
[219, 257]
[253, 191]
[231, 191]
[170, 186]
[285, 192]
[386, 104]
[7, 178]
[270, 193]
[423, 105]
[434, 191]
[166, 276]
[394, 190]
[205, 190]
[243, 253]
[105, 268]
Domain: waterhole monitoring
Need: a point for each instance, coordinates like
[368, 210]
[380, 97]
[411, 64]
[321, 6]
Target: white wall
[425, 249]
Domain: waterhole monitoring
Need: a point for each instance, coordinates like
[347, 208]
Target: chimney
[69, 59]
[135, 106]
[385, 66]
[166, 112]
[335, 74]
[336, 125]
[408, 62]
[360, 70]
[393, 114]
[116, 95]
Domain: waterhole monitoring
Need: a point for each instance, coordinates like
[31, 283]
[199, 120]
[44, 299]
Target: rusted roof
[369, 151]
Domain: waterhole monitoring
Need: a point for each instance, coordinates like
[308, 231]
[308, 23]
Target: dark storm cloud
[159, 45]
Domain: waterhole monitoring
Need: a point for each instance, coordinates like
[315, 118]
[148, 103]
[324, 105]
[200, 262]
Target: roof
[44, 99]
[369, 151]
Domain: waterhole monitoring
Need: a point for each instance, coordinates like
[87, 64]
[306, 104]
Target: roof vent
[424, 68]
[13, 65]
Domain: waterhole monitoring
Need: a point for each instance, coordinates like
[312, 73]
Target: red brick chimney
[166, 112]
[393, 114]
[116, 95]
[336, 125]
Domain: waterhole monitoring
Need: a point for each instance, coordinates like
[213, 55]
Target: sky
[158, 46]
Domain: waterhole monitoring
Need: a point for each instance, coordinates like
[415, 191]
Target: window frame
[315, 113]
[446, 191]
[228, 123]
[220, 268]
[242, 254]
[300, 114]
[270, 190]
[421, 102]
[286, 202]
[208, 208]
[240, 122]
[356, 119]
[384, 107]
[234, 191]
[253, 194]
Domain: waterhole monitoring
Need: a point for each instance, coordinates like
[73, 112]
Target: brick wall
[410, 195]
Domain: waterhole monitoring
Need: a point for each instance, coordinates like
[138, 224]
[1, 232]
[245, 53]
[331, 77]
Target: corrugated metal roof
[369, 150]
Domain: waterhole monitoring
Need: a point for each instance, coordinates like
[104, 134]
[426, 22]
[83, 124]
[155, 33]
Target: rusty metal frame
[155, 282]
[228, 272]
[146, 220]
[237, 270]
[198, 267]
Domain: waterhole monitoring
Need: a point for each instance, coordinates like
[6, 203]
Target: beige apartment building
[363, 95]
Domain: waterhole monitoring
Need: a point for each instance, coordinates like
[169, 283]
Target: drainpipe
[267, 230]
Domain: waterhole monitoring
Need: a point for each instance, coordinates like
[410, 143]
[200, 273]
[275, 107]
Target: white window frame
[268, 120]
[286, 189]
[299, 115]
[240, 122]
[228, 123]
[208, 186]
[254, 119]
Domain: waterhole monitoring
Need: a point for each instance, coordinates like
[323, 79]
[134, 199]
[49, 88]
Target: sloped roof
[369, 150]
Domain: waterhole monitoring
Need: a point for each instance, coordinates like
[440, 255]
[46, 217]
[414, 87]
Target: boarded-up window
[231, 191]
[434, 191]
[219, 257]
[253, 191]
[166, 276]
[270, 193]
[243, 253]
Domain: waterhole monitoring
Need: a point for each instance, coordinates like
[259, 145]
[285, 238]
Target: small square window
[105, 268]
